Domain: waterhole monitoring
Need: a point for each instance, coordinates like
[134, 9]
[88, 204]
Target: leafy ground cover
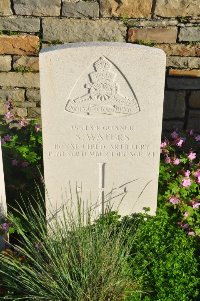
[135, 258]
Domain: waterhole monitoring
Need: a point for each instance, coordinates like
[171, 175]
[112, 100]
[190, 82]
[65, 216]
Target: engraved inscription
[103, 96]
[110, 141]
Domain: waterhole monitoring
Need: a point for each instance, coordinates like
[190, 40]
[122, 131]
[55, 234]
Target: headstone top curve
[152, 50]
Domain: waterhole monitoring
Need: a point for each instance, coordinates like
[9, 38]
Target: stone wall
[173, 25]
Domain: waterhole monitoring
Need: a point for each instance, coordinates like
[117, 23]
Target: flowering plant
[21, 141]
[179, 182]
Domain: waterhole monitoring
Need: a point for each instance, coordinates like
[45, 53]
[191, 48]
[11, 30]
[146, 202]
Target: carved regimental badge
[103, 96]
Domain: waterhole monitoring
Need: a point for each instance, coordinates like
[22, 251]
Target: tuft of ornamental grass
[74, 259]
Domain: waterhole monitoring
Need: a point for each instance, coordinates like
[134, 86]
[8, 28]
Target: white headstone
[101, 115]
[3, 208]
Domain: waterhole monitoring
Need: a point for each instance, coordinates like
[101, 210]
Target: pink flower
[8, 105]
[7, 138]
[5, 227]
[186, 182]
[192, 156]
[197, 138]
[187, 173]
[180, 142]
[37, 128]
[8, 115]
[24, 164]
[197, 173]
[191, 132]
[191, 233]
[174, 135]
[167, 159]
[196, 205]
[185, 226]
[174, 200]
[14, 162]
[176, 161]
[186, 214]
[198, 180]
[23, 122]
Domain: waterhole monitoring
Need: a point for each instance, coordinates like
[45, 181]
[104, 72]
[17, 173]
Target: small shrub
[164, 260]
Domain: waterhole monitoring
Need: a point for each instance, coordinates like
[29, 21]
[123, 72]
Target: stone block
[80, 9]
[125, 8]
[194, 121]
[194, 100]
[33, 95]
[37, 7]
[175, 8]
[26, 104]
[154, 35]
[21, 45]
[178, 62]
[17, 79]
[34, 112]
[189, 34]
[5, 62]
[26, 62]
[187, 73]
[151, 23]
[5, 9]
[174, 104]
[66, 30]
[20, 24]
[183, 62]
[180, 49]
[183, 83]
[171, 125]
[21, 112]
[12, 95]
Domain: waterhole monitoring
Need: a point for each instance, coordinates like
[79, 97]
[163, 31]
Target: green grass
[77, 259]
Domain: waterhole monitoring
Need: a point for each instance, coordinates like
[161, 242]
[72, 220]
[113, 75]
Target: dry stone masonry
[26, 26]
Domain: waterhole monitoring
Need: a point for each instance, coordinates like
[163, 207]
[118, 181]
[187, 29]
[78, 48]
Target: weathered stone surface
[33, 95]
[155, 35]
[26, 62]
[183, 83]
[37, 7]
[187, 73]
[171, 125]
[71, 30]
[17, 79]
[26, 104]
[80, 9]
[174, 104]
[125, 8]
[151, 23]
[20, 24]
[178, 62]
[189, 34]
[180, 49]
[5, 62]
[5, 9]
[183, 62]
[21, 112]
[194, 100]
[34, 112]
[102, 106]
[12, 95]
[21, 45]
[194, 121]
[175, 8]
